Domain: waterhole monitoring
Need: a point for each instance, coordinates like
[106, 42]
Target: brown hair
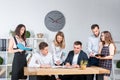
[108, 38]
[17, 31]
[78, 43]
[62, 44]
[94, 26]
[42, 45]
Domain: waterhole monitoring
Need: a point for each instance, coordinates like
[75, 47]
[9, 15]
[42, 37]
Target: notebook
[22, 47]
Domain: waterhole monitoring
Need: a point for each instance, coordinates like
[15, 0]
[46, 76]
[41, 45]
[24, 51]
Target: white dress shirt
[39, 59]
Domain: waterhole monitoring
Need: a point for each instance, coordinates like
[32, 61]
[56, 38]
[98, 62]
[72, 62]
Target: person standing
[19, 60]
[58, 45]
[107, 49]
[92, 48]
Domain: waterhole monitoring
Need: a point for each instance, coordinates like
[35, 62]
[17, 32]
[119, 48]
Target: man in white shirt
[93, 44]
[92, 48]
[43, 59]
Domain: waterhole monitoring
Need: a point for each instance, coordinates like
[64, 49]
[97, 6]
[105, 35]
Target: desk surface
[63, 71]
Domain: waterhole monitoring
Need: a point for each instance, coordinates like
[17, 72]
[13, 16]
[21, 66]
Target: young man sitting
[43, 59]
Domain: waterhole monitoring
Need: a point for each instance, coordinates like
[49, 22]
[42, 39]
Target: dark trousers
[19, 62]
[74, 77]
[94, 62]
[98, 77]
[42, 77]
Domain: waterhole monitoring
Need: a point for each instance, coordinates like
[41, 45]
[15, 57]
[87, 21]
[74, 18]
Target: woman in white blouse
[58, 46]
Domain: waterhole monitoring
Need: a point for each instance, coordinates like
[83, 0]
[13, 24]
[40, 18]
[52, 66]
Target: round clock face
[54, 21]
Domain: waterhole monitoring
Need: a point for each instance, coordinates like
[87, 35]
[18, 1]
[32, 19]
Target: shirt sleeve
[89, 46]
[51, 61]
[33, 62]
[54, 53]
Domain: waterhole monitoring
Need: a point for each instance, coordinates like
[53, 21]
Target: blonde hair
[62, 43]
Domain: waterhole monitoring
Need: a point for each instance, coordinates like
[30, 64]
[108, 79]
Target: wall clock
[54, 21]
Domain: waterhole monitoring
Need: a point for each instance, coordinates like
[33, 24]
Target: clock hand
[52, 19]
[58, 19]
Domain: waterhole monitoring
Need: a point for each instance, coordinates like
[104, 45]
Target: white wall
[80, 15]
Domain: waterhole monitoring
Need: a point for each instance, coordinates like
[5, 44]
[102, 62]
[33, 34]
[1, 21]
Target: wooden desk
[101, 70]
[58, 71]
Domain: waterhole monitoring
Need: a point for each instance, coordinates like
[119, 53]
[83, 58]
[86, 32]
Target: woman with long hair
[107, 49]
[58, 45]
[19, 60]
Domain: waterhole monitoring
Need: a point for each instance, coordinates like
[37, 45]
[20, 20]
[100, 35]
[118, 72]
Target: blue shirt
[93, 44]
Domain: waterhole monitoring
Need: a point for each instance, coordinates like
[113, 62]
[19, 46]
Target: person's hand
[75, 66]
[58, 62]
[98, 57]
[91, 55]
[19, 50]
[102, 57]
[67, 64]
[45, 66]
